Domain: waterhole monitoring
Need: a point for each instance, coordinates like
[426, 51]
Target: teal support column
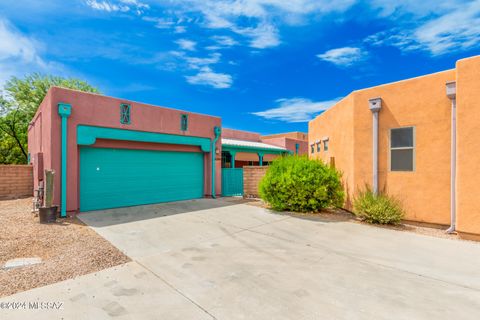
[217, 131]
[297, 145]
[233, 154]
[260, 158]
[64, 110]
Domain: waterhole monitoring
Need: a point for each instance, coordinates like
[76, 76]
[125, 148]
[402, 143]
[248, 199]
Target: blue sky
[262, 65]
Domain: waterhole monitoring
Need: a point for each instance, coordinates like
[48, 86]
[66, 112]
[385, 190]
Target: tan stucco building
[398, 137]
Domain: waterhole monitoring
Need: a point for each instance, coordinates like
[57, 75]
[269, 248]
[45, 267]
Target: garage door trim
[87, 135]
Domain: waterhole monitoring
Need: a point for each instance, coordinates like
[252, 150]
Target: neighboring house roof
[288, 135]
[250, 144]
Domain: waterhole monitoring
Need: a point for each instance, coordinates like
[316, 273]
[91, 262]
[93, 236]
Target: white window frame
[414, 148]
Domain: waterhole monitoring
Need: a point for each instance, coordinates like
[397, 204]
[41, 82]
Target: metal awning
[251, 146]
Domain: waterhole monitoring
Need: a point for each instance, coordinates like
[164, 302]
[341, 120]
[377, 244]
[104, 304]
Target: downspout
[64, 110]
[217, 131]
[452, 95]
[375, 105]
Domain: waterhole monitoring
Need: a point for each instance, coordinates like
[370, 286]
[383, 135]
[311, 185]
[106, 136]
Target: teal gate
[232, 181]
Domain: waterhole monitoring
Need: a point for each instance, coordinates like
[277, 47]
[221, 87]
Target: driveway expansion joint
[177, 290]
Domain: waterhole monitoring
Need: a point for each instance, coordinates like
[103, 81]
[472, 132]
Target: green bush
[377, 208]
[297, 183]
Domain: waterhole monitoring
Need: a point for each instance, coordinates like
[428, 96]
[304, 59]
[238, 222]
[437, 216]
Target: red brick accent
[16, 181]
[251, 179]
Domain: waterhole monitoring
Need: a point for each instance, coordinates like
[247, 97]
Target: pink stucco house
[109, 152]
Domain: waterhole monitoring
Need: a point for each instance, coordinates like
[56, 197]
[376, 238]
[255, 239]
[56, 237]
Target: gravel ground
[68, 248]
[343, 215]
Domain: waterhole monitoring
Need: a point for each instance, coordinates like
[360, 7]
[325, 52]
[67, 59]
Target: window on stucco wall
[319, 146]
[312, 148]
[325, 145]
[184, 122]
[402, 149]
[125, 113]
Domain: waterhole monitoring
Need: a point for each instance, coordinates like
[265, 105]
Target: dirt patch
[343, 215]
[67, 248]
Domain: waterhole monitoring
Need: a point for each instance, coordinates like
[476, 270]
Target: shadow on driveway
[103, 218]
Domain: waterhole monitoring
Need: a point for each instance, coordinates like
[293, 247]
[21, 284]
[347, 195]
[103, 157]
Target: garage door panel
[112, 178]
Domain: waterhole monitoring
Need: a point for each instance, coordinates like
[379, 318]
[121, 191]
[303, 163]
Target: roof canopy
[251, 146]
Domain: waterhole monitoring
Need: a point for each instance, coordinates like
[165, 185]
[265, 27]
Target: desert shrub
[297, 183]
[377, 208]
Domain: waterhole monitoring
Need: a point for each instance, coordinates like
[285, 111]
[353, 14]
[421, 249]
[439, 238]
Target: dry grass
[68, 248]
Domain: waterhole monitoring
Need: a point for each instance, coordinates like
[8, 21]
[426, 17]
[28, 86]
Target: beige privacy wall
[251, 179]
[16, 181]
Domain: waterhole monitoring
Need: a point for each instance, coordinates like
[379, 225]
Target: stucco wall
[39, 140]
[336, 124]
[289, 144]
[292, 135]
[468, 145]
[420, 102]
[240, 135]
[103, 111]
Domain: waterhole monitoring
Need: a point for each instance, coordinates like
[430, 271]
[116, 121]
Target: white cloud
[395, 37]
[161, 23]
[186, 44]
[202, 66]
[107, 6]
[221, 42]
[345, 56]
[206, 76]
[197, 62]
[118, 6]
[457, 30]
[262, 36]
[414, 8]
[263, 16]
[18, 53]
[296, 109]
[16, 45]
[224, 41]
[439, 27]
[180, 29]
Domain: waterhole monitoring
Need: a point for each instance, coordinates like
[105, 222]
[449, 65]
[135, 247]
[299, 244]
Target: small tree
[19, 103]
[297, 183]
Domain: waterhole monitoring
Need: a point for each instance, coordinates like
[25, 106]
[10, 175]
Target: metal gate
[232, 182]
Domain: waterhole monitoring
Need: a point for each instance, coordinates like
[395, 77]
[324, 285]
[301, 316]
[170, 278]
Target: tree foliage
[300, 184]
[19, 102]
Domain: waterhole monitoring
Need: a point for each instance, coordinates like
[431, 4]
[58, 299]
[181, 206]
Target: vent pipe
[452, 95]
[375, 105]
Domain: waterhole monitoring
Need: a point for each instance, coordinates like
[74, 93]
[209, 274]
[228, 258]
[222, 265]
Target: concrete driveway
[222, 259]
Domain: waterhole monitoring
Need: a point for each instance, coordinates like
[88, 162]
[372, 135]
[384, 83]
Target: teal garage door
[111, 178]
